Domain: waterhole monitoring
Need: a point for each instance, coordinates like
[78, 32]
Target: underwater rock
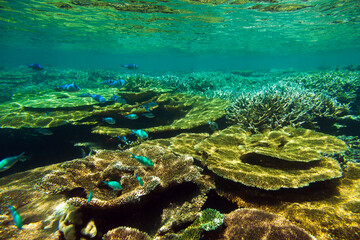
[126, 233]
[288, 158]
[90, 229]
[68, 223]
[257, 224]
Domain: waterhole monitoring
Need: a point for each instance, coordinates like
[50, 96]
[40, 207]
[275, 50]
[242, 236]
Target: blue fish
[90, 194]
[115, 83]
[35, 66]
[123, 139]
[116, 186]
[117, 99]
[109, 120]
[130, 66]
[98, 98]
[132, 116]
[70, 87]
[143, 160]
[139, 179]
[139, 133]
[148, 115]
[8, 162]
[213, 125]
[17, 218]
[149, 106]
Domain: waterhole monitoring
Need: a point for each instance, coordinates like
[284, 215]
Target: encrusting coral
[287, 158]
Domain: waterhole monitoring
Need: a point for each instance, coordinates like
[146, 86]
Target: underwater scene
[180, 120]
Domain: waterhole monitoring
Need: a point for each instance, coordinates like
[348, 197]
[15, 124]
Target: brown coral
[257, 224]
[125, 233]
[288, 158]
[169, 170]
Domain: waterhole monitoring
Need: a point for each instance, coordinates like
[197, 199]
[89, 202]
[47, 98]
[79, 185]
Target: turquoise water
[185, 35]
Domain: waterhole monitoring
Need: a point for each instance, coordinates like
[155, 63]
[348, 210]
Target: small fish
[44, 131]
[143, 160]
[139, 133]
[148, 115]
[70, 87]
[8, 162]
[139, 179]
[213, 125]
[149, 106]
[132, 116]
[116, 186]
[117, 99]
[17, 218]
[115, 83]
[98, 98]
[123, 139]
[35, 66]
[109, 120]
[47, 113]
[130, 66]
[90, 194]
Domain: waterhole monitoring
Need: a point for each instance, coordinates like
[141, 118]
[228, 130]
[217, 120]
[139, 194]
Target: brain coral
[257, 224]
[287, 158]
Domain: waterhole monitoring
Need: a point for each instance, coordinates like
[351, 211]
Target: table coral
[126, 233]
[169, 169]
[288, 158]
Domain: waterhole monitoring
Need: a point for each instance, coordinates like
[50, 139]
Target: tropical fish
[117, 99]
[115, 83]
[116, 186]
[109, 120]
[70, 87]
[149, 106]
[213, 125]
[17, 218]
[98, 98]
[44, 131]
[132, 116]
[123, 139]
[90, 194]
[139, 133]
[143, 160]
[8, 162]
[139, 179]
[130, 66]
[148, 115]
[35, 66]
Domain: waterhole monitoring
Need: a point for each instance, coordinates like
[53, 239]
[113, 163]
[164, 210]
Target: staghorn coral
[288, 158]
[281, 105]
[169, 170]
[126, 233]
[257, 224]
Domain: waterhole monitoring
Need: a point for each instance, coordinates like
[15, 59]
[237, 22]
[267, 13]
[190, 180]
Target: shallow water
[230, 84]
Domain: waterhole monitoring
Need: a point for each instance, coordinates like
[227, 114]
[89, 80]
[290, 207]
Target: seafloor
[245, 154]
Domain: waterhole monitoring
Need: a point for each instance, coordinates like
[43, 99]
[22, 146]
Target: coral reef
[257, 224]
[126, 233]
[327, 210]
[169, 170]
[288, 158]
[281, 105]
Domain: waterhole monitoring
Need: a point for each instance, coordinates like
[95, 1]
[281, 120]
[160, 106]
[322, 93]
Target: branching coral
[281, 105]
